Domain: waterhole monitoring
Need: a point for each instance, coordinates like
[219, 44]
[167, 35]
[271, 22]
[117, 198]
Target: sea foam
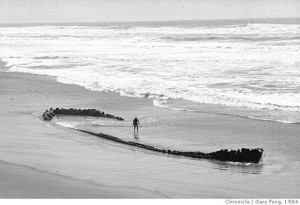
[246, 65]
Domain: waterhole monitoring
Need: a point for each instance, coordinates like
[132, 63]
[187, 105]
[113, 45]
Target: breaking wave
[244, 65]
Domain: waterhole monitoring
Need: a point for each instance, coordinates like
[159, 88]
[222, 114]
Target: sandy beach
[26, 181]
[45, 160]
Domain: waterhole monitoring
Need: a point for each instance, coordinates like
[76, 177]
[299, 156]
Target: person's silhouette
[136, 124]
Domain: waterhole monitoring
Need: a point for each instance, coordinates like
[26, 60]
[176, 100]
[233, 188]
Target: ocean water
[249, 68]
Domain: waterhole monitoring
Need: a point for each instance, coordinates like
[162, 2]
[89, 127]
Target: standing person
[136, 124]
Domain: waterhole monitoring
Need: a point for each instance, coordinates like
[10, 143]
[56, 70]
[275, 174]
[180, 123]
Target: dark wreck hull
[243, 155]
[49, 114]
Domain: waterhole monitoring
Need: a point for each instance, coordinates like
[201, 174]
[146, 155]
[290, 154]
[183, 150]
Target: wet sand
[21, 96]
[26, 182]
[41, 160]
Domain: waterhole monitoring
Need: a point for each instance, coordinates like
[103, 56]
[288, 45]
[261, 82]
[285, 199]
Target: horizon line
[149, 21]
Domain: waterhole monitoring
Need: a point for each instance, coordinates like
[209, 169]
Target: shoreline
[196, 107]
[45, 146]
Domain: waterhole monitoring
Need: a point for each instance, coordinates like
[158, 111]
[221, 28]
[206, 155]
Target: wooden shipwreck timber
[244, 155]
[49, 114]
